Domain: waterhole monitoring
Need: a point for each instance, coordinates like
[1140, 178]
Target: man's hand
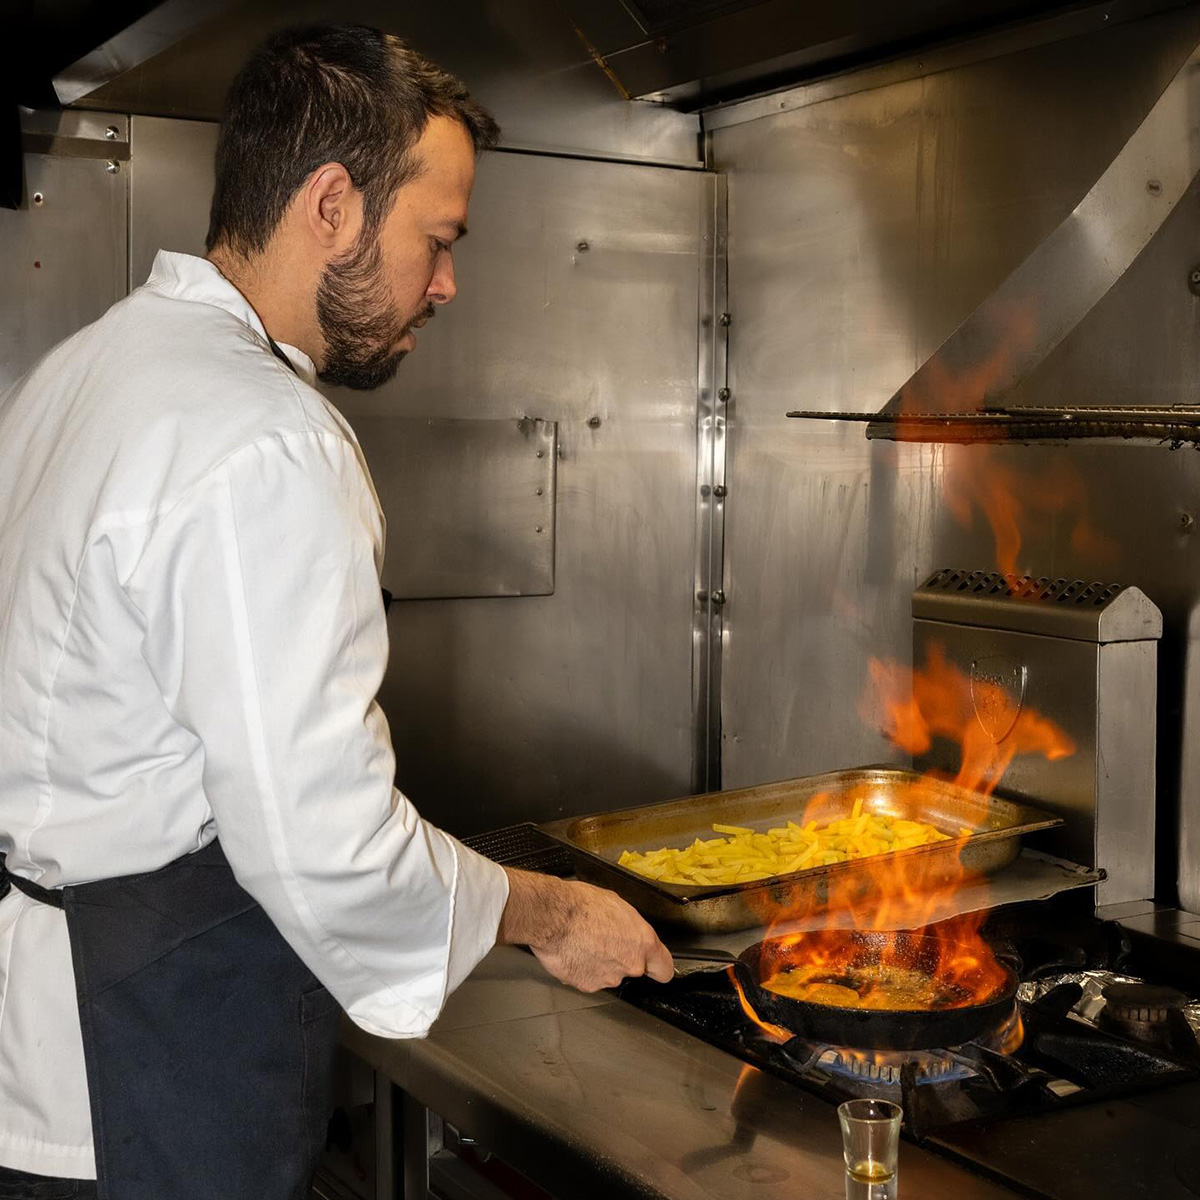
[584, 936]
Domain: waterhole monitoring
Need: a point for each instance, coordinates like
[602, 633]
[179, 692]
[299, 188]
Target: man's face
[371, 300]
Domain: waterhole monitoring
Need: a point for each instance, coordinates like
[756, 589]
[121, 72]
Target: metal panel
[522, 58]
[1009, 39]
[536, 707]
[1066, 275]
[1125, 785]
[62, 255]
[704, 58]
[470, 505]
[149, 35]
[578, 298]
[170, 189]
[863, 230]
[1103, 697]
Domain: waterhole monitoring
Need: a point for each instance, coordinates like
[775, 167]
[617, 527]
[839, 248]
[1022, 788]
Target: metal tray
[596, 842]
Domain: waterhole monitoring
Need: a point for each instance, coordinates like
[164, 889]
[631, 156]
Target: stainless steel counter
[590, 1097]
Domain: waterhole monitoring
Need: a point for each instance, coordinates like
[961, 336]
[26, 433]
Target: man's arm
[583, 935]
[264, 629]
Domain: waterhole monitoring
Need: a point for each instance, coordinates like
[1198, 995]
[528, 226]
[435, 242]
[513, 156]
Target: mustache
[426, 314]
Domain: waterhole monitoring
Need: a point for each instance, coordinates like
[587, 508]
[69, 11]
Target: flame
[1012, 1035]
[984, 479]
[938, 389]
[1013, 497]
[881, 919]
[775, 1032]
[941, 701]
[915, 707]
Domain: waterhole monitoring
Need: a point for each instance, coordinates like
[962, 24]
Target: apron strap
[279, 354]
[35, 891]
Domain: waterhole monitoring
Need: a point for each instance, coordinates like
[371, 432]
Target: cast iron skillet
[868, 1029]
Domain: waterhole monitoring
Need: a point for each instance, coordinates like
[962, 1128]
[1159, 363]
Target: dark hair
[327, 93]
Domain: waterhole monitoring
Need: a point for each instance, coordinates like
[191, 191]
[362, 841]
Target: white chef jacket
[191, 641]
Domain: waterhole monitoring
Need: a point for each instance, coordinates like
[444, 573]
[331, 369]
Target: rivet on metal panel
[705, 490]
[724, 394]
[720, 491]
[718, 597]
[537, 491]
[726, 318]
[594, 422]
[538, 529]
[1154, 187]
[582, 247]
[38, 198]
[112, 133]
[1194, 281]
[702, 596]
[1186, 522]
[541, 454]
[112, 166]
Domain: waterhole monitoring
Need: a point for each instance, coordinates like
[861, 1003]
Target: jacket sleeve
[265, 632]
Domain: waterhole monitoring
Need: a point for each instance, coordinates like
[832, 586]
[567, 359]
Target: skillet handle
[697, 961]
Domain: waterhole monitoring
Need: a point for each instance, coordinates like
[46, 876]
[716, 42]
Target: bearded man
[205, 858]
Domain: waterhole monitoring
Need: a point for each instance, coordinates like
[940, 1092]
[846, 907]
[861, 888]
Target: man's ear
[332, 208]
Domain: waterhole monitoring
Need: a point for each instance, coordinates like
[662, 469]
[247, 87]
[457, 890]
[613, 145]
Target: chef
[205, 857]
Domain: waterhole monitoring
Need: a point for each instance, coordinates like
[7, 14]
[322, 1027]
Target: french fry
[743, 855]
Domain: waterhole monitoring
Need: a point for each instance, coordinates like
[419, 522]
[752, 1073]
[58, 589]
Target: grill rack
[1175, 425]
[524, 847]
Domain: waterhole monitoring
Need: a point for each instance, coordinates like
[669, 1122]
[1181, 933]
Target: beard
[357, 320]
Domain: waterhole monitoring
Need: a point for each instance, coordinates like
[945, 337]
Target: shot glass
[870, 1144]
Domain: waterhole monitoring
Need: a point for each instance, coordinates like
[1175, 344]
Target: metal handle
[698, 960]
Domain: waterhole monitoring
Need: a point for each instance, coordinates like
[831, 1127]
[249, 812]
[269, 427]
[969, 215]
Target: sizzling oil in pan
[881, 986]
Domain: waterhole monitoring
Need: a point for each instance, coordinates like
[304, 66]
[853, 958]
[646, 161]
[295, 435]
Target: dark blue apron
[208, 1043]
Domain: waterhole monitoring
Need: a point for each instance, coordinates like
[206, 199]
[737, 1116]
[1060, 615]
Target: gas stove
[1092, 1047]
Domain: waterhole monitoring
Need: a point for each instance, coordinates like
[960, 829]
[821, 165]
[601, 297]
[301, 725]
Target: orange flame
[941, 701]
[1013, 497]
[906, 892]
[938, 389]
[980, 478]
[775, 1032]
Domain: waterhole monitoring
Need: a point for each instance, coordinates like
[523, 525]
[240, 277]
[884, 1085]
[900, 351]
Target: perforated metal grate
[1039, 589]
[524, 847]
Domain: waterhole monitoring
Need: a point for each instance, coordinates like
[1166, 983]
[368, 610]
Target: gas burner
[885, 1066]
[1141, 1011]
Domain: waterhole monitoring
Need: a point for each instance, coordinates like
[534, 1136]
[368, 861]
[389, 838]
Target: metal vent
[1040, 589]
[1070, 608]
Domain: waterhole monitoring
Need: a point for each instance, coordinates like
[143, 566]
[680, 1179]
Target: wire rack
[1175, 425]
[524, 847]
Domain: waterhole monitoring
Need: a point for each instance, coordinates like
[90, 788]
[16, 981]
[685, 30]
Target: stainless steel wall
[527, 708]
[62, 254]
[862, 229]
[509, 709]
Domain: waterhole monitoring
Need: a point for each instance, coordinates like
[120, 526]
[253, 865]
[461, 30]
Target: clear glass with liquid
[871, 1145]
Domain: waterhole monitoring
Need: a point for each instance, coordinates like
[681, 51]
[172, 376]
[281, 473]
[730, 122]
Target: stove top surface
[1090, 1088]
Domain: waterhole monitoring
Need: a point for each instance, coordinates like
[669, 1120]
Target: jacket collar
[186, 277]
